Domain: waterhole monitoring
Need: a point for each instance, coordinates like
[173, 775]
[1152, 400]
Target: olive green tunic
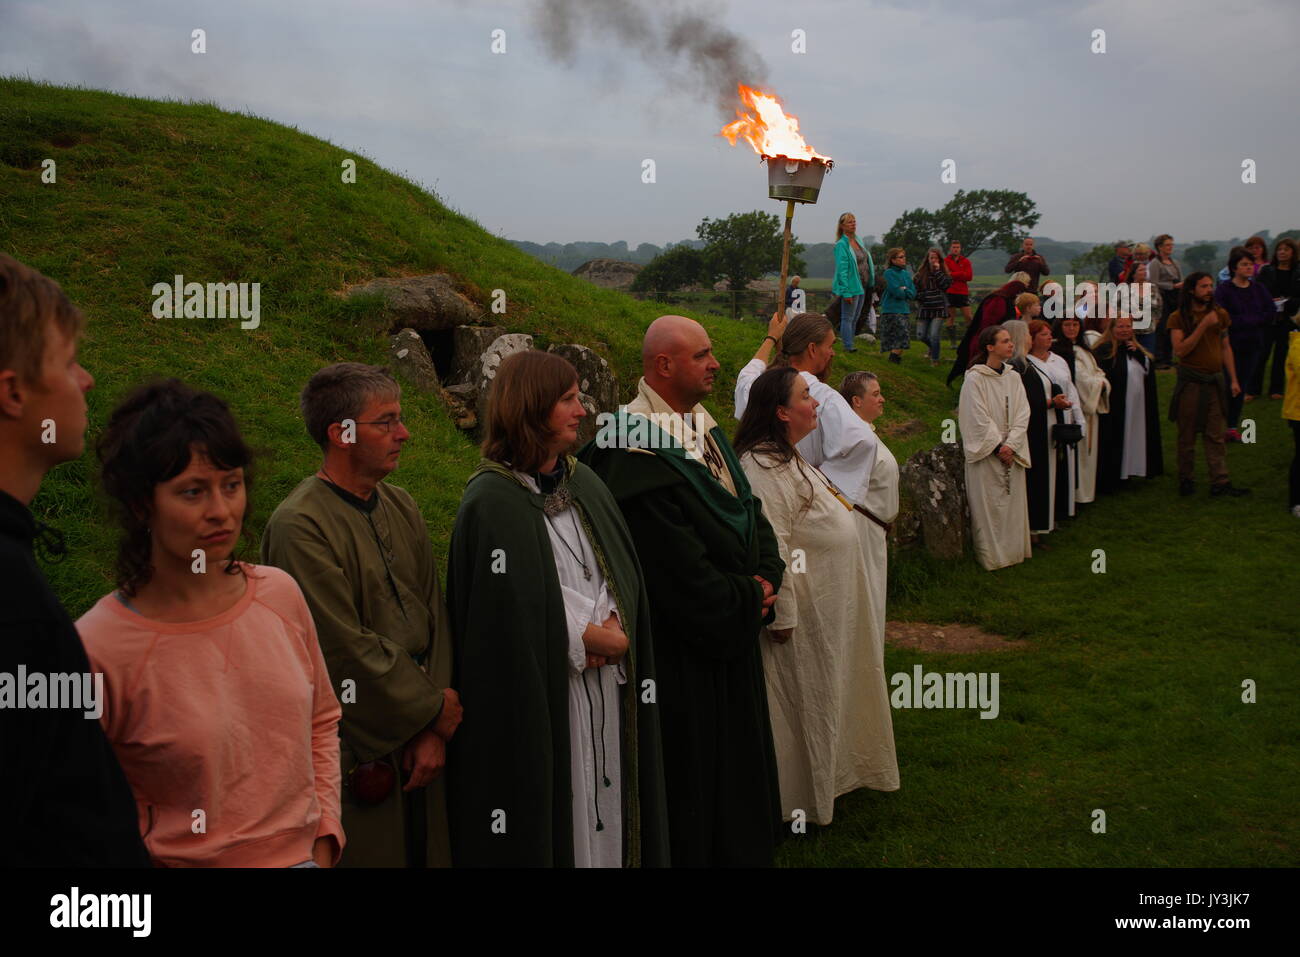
[367, 571]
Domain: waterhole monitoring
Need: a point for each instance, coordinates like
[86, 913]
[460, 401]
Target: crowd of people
[1053, 415]
[663, 648]
[643, 655]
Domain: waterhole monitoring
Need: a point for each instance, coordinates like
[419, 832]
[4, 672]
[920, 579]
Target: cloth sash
[1203, 382]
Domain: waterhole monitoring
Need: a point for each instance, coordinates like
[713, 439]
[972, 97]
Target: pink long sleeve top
[227, 728]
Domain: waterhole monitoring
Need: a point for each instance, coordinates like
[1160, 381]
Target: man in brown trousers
[1199, 333]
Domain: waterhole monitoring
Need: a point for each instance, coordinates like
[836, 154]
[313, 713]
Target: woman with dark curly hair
[217, 700]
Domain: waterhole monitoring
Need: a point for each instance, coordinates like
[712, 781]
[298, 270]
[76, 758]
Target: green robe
[700, 547]
[511, 757]
[387, 645]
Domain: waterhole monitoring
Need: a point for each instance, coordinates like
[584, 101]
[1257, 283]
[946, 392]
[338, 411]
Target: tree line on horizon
[746, 246]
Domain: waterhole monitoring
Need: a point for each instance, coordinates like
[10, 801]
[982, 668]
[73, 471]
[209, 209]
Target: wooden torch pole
[785, 256]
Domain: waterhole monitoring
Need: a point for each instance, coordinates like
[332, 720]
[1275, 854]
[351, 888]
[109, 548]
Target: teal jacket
[899, 291]
[847, 280]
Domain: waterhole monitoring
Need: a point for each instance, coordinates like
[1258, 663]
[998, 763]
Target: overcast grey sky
[1146, 137]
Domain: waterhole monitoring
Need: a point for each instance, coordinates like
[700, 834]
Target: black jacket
[64, 801]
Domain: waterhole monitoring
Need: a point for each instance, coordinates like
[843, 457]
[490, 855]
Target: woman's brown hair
[801, 332]
[522, 396]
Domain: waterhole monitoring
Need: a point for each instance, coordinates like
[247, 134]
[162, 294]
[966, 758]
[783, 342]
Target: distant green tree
[986, 218]
[744, 247]
[915, 231]
[1201, 257]
[980, 219]
[1092, 263]
[671, 270]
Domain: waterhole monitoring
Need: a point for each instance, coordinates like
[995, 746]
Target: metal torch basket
[795, 180]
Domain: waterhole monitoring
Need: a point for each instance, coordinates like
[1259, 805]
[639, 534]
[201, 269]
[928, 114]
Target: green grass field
[1126, 697]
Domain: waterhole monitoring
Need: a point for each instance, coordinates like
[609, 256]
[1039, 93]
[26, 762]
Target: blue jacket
[899, 291]
[847, 280]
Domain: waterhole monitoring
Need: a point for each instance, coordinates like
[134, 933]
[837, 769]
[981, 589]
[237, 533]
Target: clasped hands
[606, 643]
[425, 755]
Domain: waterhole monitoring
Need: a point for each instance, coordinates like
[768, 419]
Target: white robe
[1058, 371]
[1134, 460]
[841, 444]
[595, 728]
[882, 501]
[994, 410]
[1094, 399]
[826, 690]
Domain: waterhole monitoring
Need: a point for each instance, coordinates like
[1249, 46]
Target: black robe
[64, 801]
[724, 803]
[1041, 419]
[1110, 441]
[509, 761]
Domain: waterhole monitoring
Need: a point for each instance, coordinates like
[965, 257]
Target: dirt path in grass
[946, 639]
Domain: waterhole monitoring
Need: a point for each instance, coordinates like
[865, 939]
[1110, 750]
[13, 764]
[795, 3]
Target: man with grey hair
[359, 549]
[712, 570]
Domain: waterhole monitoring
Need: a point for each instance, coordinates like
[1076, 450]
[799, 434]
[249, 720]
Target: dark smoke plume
[692, 50]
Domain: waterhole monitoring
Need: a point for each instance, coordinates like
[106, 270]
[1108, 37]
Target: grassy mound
[146, 190]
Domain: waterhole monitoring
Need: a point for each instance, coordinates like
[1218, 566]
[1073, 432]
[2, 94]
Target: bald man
[712, 571]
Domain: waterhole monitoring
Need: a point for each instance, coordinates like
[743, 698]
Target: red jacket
[960, 271]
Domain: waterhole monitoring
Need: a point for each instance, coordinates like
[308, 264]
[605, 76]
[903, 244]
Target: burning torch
[794, 169]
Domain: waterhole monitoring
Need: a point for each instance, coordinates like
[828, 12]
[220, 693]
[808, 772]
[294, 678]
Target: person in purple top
[1251, 308]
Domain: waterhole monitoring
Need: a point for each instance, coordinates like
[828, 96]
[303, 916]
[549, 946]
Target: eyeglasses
[386, 423]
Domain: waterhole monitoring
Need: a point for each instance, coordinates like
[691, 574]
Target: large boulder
[596, 383]
[501, 347]
[425, 303]
[933, 486]
[412, 361]
[608, 273]
[468, 345]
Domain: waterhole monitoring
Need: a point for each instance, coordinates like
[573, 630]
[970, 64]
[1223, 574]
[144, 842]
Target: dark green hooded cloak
[509, 792]
[700, 547]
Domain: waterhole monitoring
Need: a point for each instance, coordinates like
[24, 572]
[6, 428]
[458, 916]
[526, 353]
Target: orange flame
[770, 130]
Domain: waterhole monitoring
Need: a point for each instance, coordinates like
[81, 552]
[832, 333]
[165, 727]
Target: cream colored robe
[826, 689]
[994, 410]
[1094, 399]
[882, 500]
